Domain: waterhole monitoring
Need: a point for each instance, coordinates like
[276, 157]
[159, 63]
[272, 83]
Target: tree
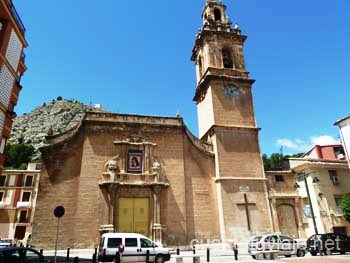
[345, 206]
[266, 161]
[17, 156]
[272, 162]
[276, 160]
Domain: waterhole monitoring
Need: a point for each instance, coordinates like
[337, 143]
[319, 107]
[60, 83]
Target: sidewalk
[216, 256]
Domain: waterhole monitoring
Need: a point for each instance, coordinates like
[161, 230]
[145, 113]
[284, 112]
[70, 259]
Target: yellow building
[328, 179]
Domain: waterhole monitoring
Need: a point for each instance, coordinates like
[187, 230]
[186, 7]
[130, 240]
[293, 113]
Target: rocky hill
[51, 118]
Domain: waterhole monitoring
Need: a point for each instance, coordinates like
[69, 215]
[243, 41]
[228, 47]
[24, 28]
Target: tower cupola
[214, 16]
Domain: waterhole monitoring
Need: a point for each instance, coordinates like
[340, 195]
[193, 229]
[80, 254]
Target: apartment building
[12, 68]
[18, 193]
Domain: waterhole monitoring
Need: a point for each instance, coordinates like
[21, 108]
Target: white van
[135, 248]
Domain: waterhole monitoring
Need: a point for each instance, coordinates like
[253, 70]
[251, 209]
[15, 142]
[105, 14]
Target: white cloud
[303, 146]
[323, 140]
[287, 143]
[296, 145]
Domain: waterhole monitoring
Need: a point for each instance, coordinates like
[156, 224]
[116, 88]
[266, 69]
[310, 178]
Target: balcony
[16, 16]
[24, 204]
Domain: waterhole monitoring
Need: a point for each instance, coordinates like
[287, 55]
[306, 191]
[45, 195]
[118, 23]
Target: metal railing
[16, 16]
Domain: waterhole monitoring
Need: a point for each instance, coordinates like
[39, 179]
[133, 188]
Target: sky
[134, 57]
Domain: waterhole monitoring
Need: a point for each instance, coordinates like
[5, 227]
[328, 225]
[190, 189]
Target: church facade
[147, 174]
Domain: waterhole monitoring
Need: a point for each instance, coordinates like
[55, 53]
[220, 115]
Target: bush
[18, 154]
[345, 206]
[23, 166]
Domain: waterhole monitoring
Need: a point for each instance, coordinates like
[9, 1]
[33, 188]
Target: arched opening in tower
[217, 14]
[226, 59]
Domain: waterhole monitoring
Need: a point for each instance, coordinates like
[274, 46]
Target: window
[113, 242]
[287, 243]
[23, 216]
[279, 178]
[130, 242]
[333, 176]
[217, 14]
[32, 257]
[12, 180]
[257, 239]
[38, 166]
[271, 239]
[339, 152]
[29, 180]
[332, 173]
[146, 242]
[2, 180]
[226, 59]
[337, 202]
[26, 196]
[102, 241]
[14, 256]
[2, 194]
[2, 145]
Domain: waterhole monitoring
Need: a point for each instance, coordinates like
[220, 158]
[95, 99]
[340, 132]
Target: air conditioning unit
[341, 156]
[335, 179]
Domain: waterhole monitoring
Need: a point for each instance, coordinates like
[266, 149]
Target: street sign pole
[310, 203]
[58, 212]
[58, 227]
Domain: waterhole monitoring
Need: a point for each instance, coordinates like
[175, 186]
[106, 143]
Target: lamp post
[304, 176]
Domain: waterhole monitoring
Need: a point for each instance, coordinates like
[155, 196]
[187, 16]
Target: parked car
[328, 243]
[21, 255]
[134, 248]
[285, 245]
[7, 242]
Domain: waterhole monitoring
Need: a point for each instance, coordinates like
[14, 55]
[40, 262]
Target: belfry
[227, 121]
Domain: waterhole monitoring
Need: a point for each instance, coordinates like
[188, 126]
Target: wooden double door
[133, 215]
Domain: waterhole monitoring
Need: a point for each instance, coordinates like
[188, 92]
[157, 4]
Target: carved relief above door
[134, 163]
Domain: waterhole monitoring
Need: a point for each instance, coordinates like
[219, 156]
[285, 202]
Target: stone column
[147, 161]
[157, 227]
[123, 158]
[155, 201]
[113, 205]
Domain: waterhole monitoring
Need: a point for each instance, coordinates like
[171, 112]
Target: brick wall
[239, 153]
[202, 215]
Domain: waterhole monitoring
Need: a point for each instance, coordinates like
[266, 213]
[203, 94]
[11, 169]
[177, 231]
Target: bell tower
[226, 119]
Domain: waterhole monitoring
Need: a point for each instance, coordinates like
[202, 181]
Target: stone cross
[246, 204]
